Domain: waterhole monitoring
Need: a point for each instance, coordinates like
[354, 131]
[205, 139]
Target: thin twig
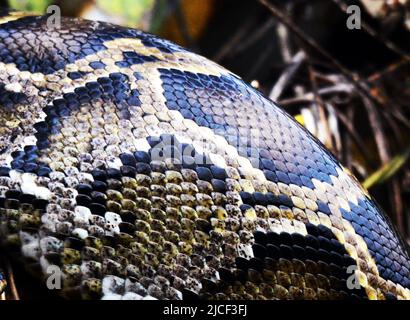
[359, 84]
[310, 96]
[397, 201]
[348, 124]
[284, 43]
[347, 154]
[398, 114]
[296, 101]
[258, 34]
[287, 75]
[389, 69]
[334, 128]
[261, 62]
[377, 127]
[11, 282]
[233, 42]
[331, 78]
[321, 107]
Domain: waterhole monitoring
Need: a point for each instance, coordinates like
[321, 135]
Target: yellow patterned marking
[14, 16]
[354, 243]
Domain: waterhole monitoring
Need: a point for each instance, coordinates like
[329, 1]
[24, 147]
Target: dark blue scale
[283, 177]
[10, 99]
[178, 85]
[323, 207]
[85, 40]
[373, 227]
[97, 65]
[76, 75]
[114, 88]
[132, 58]
[319, 165]
[319, 247]
[26, 161]
[270, 175]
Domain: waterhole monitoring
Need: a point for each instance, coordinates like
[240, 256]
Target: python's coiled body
[143, 170]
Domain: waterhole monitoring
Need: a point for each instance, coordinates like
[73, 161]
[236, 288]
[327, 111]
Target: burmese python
[142, 170]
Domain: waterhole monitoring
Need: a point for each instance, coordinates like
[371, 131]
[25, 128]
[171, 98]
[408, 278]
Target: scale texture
[140, 170]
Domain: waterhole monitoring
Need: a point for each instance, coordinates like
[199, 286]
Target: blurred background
[349, 87]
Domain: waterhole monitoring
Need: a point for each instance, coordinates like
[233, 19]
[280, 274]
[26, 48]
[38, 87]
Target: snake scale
[144, 171]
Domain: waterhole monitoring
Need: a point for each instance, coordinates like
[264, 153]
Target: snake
[134, 169]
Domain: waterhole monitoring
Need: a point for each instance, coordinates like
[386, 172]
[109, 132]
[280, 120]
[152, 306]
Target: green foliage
[36, 6]
[132, 10]
[387, 171]
[161, 11]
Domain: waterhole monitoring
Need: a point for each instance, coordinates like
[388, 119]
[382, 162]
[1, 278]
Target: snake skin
[144, 171]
